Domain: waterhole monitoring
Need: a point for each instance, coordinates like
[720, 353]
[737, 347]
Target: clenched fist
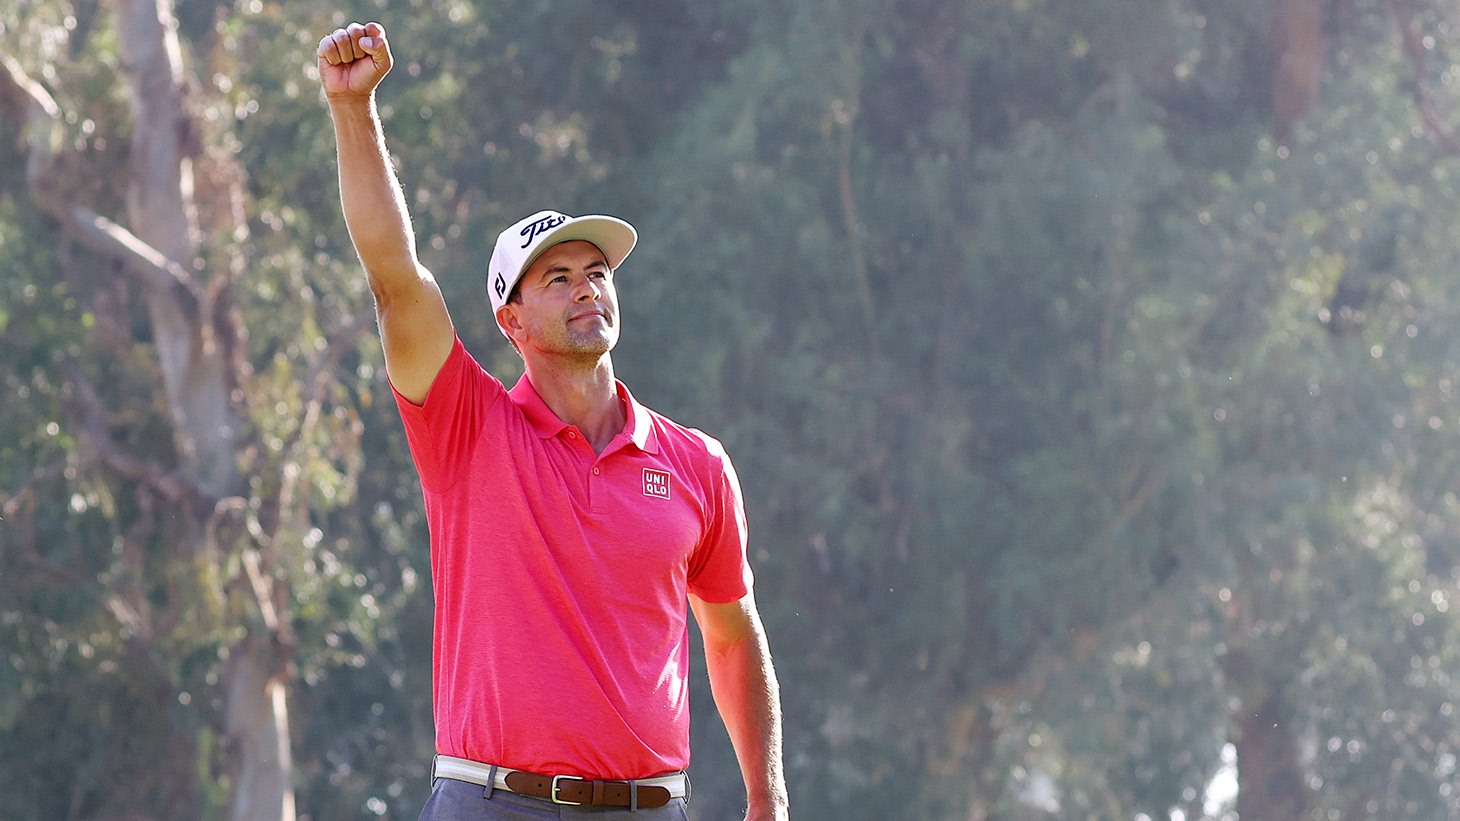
[353, 60]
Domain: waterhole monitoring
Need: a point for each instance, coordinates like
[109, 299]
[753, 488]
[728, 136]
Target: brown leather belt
[566, 789]
[647, 793]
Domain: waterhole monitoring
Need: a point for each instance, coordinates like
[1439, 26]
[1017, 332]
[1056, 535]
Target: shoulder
[697, 453]
[463, 395]
[676, 436]
[656, 432]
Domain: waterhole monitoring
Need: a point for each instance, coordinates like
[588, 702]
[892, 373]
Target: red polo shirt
[561, 641]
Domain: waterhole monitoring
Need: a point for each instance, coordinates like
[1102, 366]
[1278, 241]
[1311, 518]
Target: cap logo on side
[500, 284]
[536, 227]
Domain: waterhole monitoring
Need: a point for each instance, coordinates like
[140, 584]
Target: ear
[508, 321]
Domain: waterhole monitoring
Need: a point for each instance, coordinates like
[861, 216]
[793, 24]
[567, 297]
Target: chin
[590, 347]
[602, 343]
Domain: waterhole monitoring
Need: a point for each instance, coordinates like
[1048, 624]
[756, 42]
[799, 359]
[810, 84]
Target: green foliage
[1074, 413]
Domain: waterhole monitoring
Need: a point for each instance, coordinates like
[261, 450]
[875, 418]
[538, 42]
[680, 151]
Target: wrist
[350, 99]
[771, 807]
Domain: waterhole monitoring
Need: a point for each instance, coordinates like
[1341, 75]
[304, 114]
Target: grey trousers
[453, 800]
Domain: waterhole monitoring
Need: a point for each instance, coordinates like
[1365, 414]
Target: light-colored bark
[160, 210]
[159, 248]
[194, 369]
[261, 764]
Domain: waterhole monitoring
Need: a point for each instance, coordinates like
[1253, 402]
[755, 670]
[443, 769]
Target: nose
[589, 289]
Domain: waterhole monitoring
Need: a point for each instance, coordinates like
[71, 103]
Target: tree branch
[42, 114]
[25, 498]
[320, 380]
[109, 239]
[43, 128]
[170, 485]
[1414, 48]
[843, 118]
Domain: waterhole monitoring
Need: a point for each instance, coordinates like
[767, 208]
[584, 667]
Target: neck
[583, 395]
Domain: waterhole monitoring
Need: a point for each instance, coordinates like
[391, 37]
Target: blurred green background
[1089, 366]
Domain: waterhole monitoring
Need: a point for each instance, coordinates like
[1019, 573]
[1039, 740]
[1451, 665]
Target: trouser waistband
[567, 789]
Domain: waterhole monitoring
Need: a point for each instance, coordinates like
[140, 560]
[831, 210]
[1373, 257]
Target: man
[571, 527]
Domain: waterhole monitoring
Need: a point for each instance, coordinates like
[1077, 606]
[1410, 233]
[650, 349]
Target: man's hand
[353, 60]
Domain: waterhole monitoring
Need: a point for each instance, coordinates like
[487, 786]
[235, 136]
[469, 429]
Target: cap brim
[614, 237]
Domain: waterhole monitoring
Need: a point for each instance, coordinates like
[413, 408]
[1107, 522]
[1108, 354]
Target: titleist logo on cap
[547, 223]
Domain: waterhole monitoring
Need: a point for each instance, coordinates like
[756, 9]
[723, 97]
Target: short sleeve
[443, 430]
[719, 570]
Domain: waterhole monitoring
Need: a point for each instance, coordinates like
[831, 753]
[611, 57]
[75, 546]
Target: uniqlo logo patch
[656, 483]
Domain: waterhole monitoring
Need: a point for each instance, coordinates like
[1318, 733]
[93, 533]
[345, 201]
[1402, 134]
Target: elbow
[397, 281]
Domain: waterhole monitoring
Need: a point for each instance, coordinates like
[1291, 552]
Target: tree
[993, 276]
[300, 588]
[200, 491]
[1085, 365]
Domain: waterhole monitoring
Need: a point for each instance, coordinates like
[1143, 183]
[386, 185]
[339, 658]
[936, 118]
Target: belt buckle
[553, 791]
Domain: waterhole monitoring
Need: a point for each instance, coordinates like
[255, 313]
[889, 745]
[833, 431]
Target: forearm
[374, 205]
[744, 684]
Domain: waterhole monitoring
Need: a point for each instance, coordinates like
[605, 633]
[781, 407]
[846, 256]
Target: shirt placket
[583, 463]
[597, 467]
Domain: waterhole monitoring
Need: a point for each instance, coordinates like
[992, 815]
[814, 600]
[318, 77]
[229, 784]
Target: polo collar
[639, 427]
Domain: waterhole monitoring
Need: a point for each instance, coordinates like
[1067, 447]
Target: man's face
[566, 303]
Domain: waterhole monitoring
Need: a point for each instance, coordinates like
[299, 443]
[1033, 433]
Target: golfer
[573, 530]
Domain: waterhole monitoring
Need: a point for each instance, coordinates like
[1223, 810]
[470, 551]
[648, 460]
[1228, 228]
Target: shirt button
[572, 434]
[595, 471]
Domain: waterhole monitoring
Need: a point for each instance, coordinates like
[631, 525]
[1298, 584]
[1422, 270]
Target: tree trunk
[160, 211]
[193, 346]
[1270, 781]
[254, 694]
[1300, 55]
[196, 376]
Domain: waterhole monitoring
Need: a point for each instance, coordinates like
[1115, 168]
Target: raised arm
[415, 327]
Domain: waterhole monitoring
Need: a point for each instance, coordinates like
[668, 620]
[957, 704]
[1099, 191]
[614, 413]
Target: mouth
[592, 315]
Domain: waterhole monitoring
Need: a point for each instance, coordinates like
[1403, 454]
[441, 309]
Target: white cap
[520, 244]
